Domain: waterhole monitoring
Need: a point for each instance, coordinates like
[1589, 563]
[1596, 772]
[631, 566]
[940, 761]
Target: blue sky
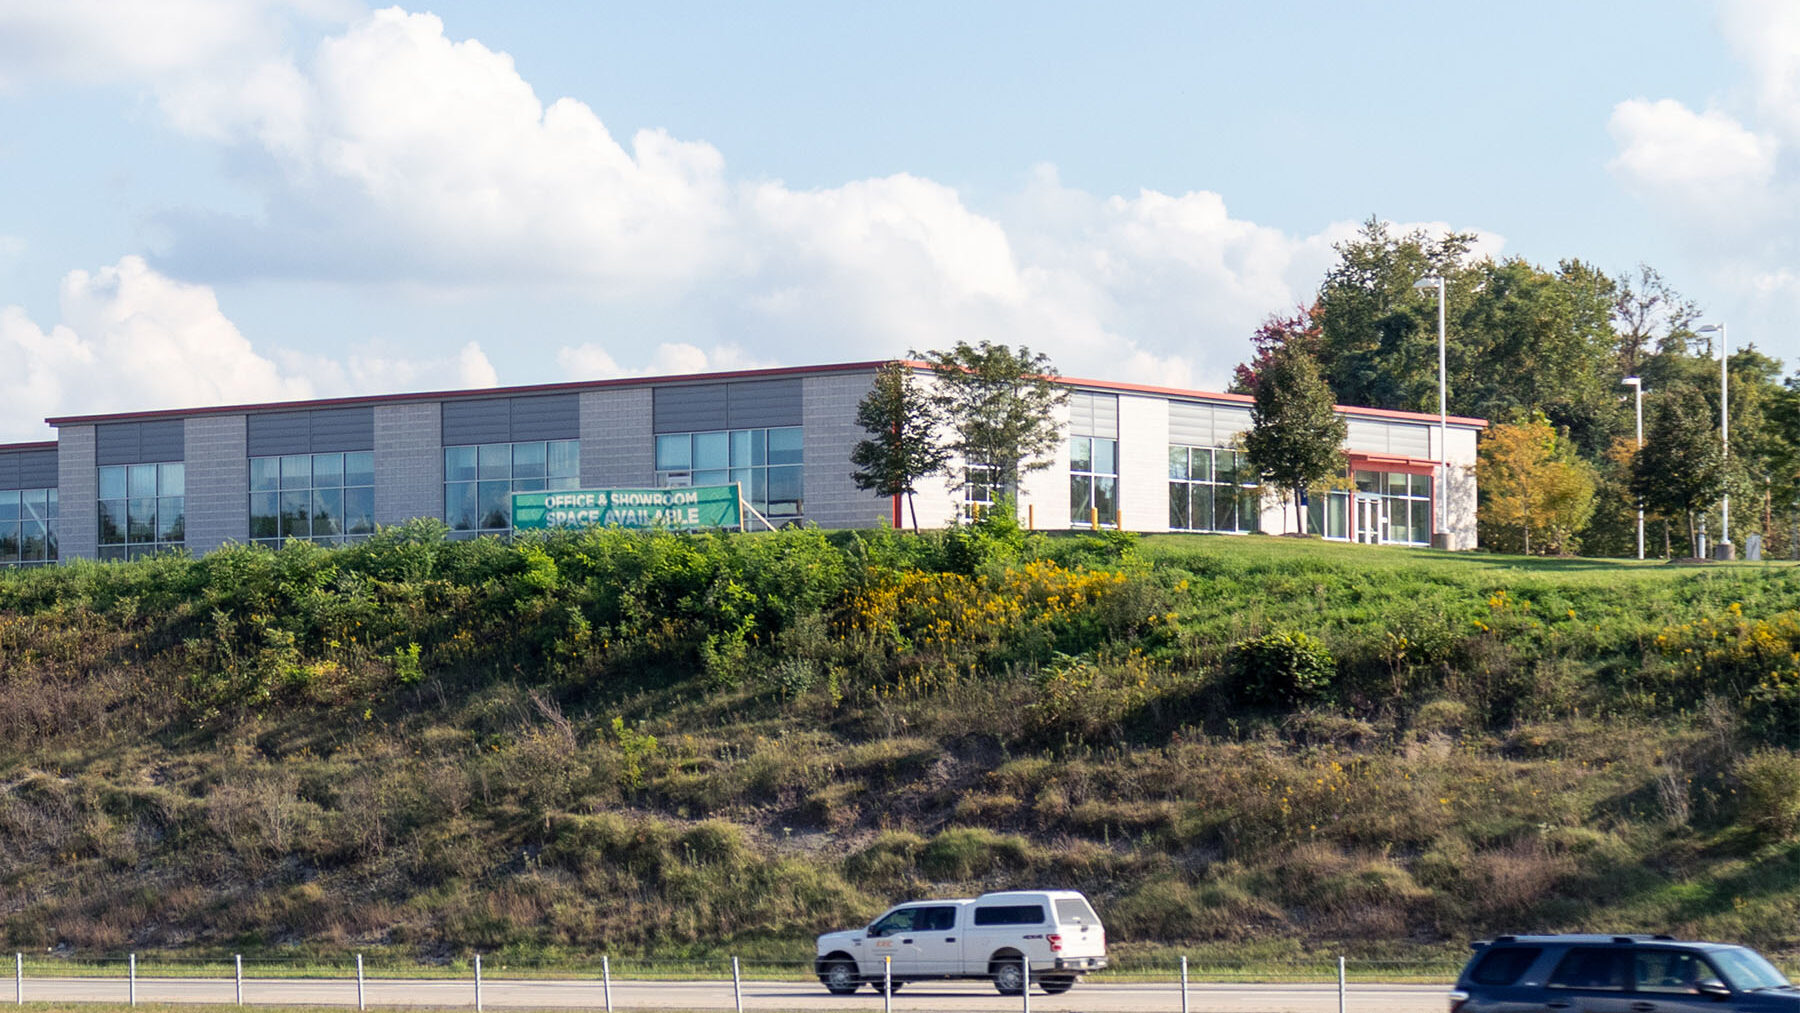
[231, 200]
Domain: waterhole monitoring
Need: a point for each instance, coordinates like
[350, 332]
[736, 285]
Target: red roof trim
[6, 448]
[1391, 462]
[740, 374]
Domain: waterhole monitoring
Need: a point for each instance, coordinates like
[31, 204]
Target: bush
[1282, 669]
[1769, 793]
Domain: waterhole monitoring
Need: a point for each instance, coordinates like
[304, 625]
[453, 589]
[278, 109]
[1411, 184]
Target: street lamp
[1443, 510]
[1724, 436]
[1636, 383]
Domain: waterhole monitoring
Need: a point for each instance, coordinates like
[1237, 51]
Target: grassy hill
[665, 745]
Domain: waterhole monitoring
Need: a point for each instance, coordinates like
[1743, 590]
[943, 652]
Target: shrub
[1282, 669]
[1769, 793]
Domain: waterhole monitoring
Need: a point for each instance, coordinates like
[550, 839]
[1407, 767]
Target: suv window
[1674, 971]
[1593, 967]
[1502, 965]
[1075, 911]
[1010, 914]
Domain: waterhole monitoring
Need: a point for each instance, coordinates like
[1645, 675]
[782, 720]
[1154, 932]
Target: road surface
[760, 996]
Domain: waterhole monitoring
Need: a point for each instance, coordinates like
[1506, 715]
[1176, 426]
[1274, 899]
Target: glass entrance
[1371, 520]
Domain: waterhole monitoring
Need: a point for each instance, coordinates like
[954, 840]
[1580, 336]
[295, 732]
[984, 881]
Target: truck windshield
[1746, 969]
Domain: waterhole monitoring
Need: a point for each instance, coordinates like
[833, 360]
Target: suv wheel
[839, 977]
[1056, 986]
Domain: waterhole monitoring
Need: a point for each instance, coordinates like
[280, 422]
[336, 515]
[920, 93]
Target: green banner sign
[699, 506]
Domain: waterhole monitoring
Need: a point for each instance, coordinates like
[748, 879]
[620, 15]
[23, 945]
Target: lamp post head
[1633, 381]
[1709, 329]
[1429, 281]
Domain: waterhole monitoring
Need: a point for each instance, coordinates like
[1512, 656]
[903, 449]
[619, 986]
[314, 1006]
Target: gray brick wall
[832, 498]
[77, 483]
[409, 462]
[618, 449]
[218, 482]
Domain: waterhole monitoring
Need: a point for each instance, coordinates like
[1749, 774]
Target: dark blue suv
[1619, 974]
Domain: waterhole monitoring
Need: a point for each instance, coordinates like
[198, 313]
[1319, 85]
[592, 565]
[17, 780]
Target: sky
[227, 201]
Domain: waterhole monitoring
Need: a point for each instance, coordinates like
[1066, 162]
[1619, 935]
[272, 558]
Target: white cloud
[1707, 161]
[132, 339]
[589, 361]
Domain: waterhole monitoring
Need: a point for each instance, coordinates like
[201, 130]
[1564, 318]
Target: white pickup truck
[993, 936]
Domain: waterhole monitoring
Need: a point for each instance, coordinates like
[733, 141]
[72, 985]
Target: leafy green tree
[903, 445]
[1532, 484]
[1296, 439]
[1679, 471]
[1000, 405]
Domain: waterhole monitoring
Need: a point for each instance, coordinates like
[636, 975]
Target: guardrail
[737, 984]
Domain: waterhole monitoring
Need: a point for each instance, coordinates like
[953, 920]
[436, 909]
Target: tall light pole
[1636, 383]
[1724, 432]
[1442, 521]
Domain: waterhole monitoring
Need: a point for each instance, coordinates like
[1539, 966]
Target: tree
[1298, 331]
[1648, 314]
[903, 445]
[1000, 406]
[1532, 483]
[1680, 470]
[1296, 439]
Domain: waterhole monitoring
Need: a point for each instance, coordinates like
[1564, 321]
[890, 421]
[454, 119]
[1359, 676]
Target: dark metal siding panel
[485, 421]
[550, 417]
[339, 429]
[37, 469]
[276, 433]
[116, 443]
[9, 471]
[696, 408]
[163, 441]
[761, 404]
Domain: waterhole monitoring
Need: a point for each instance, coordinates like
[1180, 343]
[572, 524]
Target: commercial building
[1139, 458]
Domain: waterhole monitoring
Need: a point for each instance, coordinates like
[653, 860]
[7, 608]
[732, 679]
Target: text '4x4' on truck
[996, 936]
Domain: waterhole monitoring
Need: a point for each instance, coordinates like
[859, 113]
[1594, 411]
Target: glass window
[1093, 481]
[479, 482]
[265, 474]
[1216, 489]
[140, 510]
[317, 491]
[764, 462]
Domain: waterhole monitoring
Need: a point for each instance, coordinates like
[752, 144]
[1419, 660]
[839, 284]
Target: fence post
[1184, 987]
[606, 980]
[237, 974]
[19, 978]
[1025, 980]
[359, 983]
[132, 987]
[737, 988]
[477, 983]
[1340, 985]
[887, 983]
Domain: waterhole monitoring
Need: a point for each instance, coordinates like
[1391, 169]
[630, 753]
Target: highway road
[760, 996]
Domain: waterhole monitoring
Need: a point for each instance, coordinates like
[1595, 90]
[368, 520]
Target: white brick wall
[77, 487]
[829, 403]
[618, 449]
[218, 481]
[1144, 463]
[409, 462]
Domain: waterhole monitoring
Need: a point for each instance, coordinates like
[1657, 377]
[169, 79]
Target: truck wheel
[890, 987]
[839, 977]
[1009, 977]
[1057, 986]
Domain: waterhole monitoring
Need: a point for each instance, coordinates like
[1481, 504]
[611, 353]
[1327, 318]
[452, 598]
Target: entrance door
[1371, 520]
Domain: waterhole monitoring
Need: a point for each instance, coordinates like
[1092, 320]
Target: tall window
[1212, 489]
[27, 526]
[479, 480]
[142, 509]
[1093, 481]
[1407, 499]
[1329, 514]
[321, 497]
[981, 486]
[765, 462]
